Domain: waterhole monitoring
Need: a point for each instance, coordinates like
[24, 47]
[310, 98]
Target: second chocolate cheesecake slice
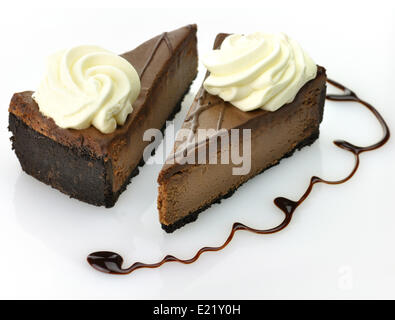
[188, 186]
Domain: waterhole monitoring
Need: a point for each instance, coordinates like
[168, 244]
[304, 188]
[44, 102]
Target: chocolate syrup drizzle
[110, 262]
[162, 37]
[221, 117]
[193, 118]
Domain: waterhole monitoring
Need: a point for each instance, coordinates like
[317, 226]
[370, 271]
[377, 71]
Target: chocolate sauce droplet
[285, 205]
[106, 261]
[111, 262]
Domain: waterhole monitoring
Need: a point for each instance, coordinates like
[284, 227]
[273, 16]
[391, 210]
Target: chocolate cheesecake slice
[189, 187]
[92, 166]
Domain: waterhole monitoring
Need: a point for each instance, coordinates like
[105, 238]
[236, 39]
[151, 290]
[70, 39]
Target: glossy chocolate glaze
[194, 116]
[192, 123]
[162, 37]
[111, 262]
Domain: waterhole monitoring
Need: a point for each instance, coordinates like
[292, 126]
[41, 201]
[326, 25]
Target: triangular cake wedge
[95, 167]
[187, 189]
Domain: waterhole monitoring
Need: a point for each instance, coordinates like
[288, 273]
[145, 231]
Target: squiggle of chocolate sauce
[111, 262]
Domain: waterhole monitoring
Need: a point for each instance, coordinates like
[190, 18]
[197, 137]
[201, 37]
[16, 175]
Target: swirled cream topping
[258, 70]
[88, 85]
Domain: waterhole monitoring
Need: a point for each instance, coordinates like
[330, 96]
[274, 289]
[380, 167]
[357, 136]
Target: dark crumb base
[54, 164]
[72, 171]
[194, 215]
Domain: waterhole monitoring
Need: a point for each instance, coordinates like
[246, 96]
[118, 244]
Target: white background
[340, 243]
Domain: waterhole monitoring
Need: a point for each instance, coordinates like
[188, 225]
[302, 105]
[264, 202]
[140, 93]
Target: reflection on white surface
[45, 236]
